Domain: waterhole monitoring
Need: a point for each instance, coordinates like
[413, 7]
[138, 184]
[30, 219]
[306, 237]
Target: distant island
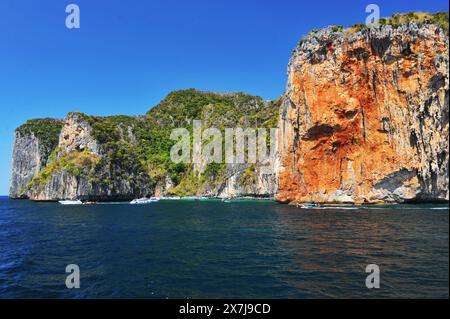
[364, 119]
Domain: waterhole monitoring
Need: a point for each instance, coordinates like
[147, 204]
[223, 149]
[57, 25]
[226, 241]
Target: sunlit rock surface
[365, 117]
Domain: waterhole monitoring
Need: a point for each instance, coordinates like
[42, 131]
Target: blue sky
[128, 55]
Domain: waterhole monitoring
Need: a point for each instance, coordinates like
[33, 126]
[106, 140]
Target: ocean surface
[211, 249]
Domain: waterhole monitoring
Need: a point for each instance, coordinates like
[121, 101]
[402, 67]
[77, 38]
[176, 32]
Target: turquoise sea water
[210, 249]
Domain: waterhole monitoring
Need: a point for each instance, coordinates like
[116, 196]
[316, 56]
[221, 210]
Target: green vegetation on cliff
[137, 148]
[75, 163]
[45, 130]
[179, 109]
[439, 18]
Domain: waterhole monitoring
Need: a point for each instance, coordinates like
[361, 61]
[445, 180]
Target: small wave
[331, 207]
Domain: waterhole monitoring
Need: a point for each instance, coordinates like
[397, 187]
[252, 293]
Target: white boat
[310, 206]
[70, 202]
[144, 200]
[169, 198]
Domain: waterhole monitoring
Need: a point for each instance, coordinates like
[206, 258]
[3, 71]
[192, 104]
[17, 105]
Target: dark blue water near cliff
[214, 249]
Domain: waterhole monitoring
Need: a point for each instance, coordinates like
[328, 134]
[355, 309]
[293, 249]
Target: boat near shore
[329, 206]
[141, 201]
[187, 198]
[310, 206]
[70, 202]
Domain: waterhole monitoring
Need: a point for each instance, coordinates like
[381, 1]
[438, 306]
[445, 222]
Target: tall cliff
[125, 157]
[87, 167]
[33, 143]
[366, 115]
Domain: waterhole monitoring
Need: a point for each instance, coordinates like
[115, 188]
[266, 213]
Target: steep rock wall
[247, 180]
[76, 135]
[33, 143]
[365, 117]
[84, 168]
[26, 163]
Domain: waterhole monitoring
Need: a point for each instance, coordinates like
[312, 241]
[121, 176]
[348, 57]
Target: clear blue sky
[128, 55]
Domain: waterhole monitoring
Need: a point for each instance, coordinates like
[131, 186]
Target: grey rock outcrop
[33, 143]
[76, 135]
[27, 162]
[87, 181]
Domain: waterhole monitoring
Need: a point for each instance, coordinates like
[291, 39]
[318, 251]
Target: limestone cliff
[33, 143]
[81, 167]
[366, 115]
[126, 157]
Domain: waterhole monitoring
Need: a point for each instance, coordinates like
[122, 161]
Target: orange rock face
[365, 117]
